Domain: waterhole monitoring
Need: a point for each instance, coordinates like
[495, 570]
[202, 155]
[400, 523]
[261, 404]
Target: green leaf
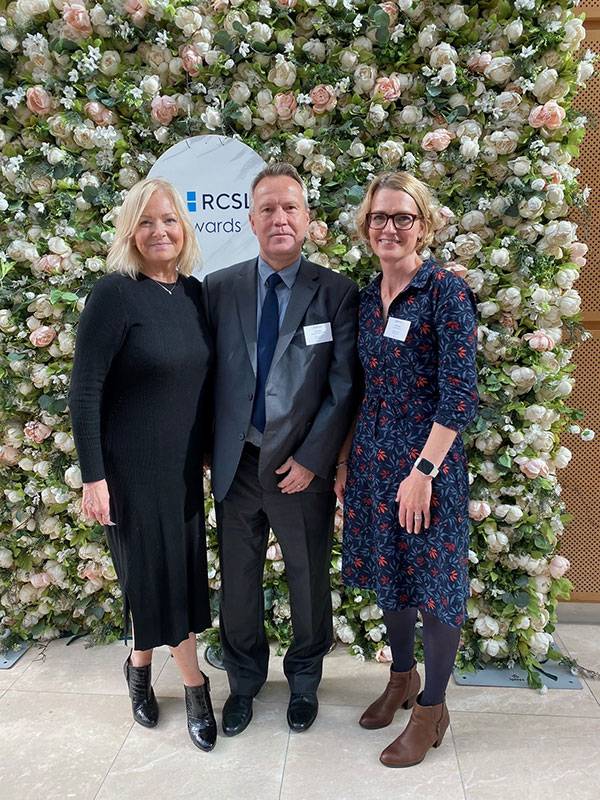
[355, 194]
[224, 40]
[522, 599]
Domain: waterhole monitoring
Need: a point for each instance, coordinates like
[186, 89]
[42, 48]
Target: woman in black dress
[139, 419]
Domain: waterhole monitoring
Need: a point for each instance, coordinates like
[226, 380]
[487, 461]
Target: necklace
[162, 285]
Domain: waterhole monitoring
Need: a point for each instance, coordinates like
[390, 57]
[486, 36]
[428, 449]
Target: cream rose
[500, 69]
[283, 73]
[558, 566]
[318, 232]
[479, 510]
[36, 431]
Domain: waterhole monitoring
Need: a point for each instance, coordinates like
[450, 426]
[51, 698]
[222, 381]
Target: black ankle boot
[143, 701]
[201, 723]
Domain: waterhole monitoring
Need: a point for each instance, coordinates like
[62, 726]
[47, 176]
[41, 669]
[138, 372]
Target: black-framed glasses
[401, 222]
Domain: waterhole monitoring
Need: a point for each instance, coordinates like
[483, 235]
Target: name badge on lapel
[317, 334]
[397, 328]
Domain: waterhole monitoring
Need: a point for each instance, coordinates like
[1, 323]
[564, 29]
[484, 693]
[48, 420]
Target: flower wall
[475, 99]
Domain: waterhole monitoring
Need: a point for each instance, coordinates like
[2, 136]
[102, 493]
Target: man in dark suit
[284, 332]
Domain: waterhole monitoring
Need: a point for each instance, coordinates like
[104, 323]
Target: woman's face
[159, 234]
[390, 243]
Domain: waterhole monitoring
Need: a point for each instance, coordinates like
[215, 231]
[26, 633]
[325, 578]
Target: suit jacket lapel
[303, 291]
[245, 295]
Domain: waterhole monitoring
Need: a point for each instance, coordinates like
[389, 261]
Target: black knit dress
[139, 420]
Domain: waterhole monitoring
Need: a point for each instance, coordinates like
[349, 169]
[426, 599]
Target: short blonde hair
[123, 255]
[401, 182]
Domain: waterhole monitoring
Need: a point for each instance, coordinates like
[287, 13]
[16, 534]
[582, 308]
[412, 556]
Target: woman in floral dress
[402, 476]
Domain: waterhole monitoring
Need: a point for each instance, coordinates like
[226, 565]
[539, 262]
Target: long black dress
[138, 412]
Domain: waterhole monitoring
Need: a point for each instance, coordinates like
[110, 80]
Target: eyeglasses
[401, 222]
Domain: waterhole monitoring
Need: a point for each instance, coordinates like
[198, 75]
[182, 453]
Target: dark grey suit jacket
[311, 389]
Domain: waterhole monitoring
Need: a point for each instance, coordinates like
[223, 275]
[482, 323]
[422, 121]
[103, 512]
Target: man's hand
[96, 502]
[297, 478]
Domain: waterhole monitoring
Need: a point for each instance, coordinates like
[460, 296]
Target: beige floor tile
[164, 763]
[57, 748]
[338, 759]
[582, 642]
[9, 676]
[80, 669]
[516, 757]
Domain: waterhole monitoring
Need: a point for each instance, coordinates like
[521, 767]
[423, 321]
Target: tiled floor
[66, 732]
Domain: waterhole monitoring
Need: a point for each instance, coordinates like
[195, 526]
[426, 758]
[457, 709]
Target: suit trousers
[303, 524]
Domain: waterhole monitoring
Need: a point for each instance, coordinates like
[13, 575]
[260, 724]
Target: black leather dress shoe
[302, 711]
[237, 713]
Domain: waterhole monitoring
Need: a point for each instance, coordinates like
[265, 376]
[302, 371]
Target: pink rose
[285, 105]
[391, 9]
[577, 253]
[479, 62]
[191, 59]
[99, 113]
[42, 336]
[164, 108]
[539, 340]
[437, 140]
[274, 552]
[534, 468]
[318, 232]
[77, 19]
[9, 455]
[558, 566]
[323, 98]
[384, 655]
[456, 269]
[137, 10]
[39, 101]
[287, 3]
[40, 580]
[50, 263]
[479, 510]
[389, 88]
[36, 431]
[549, 116]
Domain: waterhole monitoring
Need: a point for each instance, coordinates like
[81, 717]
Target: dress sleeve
[100, 335]
[456, 327]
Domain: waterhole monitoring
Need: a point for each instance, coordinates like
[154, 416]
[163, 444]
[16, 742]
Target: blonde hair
[401, 182]
[123, 255]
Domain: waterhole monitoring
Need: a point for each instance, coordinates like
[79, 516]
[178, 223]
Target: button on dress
[139, 419]
[408, 385]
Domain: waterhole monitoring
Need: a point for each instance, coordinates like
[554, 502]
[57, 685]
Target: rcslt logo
[220, 202]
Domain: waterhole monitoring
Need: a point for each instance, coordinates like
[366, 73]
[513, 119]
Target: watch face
[425, 466]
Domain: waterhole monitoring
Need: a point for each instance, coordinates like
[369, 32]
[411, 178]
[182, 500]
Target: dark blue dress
[429, 377]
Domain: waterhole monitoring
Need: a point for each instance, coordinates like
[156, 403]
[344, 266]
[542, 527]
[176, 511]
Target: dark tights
[440, 642]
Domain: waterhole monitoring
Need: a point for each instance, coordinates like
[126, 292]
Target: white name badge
[397, 328]
[317, 334]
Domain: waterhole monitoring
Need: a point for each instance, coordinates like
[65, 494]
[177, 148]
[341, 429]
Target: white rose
[456, 17]
[259, 32]
[283, 73]
[540, 643]
[486, 626]
[488, 308]
[58, 245]
[188, 20]
[6, 558]
[510, 298]
[574, 34]
[502, 142]
[565, 278]
[30, 8]
[477, 586]
[110, 63]
[585, 70]
[570, 303]
[467, 245]
[427, 38]
[390, 152]
[469, 149]
[514, 30]
[364, 78]
[150, 85]
[411, 115]
[475, 279]
[500, 257]
[523, 378]
[64, 442]
[239, 92]
[473, 220]
[304, 147]
[509, 513]
[442, 54]
[500, 69]
[73, 477]
[376, 114]
[348, 60]
[212, 118]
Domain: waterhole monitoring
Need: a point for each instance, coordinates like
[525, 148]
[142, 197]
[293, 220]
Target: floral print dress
[428, 376]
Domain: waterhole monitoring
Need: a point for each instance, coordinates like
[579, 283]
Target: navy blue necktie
[268, 334]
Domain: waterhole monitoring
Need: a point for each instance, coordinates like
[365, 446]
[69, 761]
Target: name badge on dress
[397, 328]
[317, 334]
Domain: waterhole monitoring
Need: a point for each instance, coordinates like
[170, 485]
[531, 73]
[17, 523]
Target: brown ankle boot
[425, 729]
[401, 691]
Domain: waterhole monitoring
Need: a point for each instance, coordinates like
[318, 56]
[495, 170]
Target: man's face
[279, 220]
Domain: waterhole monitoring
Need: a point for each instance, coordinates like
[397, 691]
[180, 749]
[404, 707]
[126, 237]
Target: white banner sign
[213, 175]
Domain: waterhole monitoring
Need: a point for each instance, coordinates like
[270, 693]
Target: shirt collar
[419, 280]
[288, 274]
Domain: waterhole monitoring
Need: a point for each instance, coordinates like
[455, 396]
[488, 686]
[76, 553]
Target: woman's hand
[96, 502]
[339, 487]
[414, 499]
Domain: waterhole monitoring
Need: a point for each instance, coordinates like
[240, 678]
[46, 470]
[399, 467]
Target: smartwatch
[426, 467]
